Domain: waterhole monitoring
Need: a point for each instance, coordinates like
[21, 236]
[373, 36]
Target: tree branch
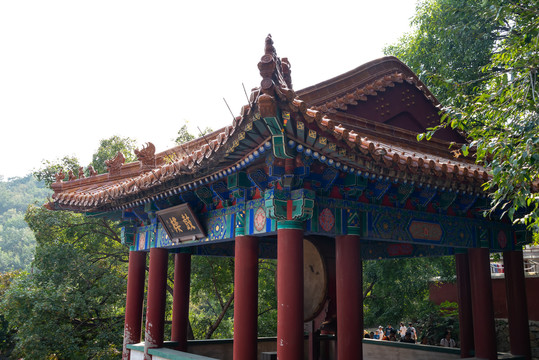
[368, 290]
[216, 323]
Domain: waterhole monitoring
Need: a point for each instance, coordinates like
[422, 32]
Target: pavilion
[335, 168]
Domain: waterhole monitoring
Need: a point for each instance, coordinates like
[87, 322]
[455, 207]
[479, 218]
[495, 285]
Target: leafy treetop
[108, 148]
[496, 104]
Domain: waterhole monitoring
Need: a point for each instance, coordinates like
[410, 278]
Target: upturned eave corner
[291, 125]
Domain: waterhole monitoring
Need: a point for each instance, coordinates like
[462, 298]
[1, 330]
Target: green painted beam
[170, 354]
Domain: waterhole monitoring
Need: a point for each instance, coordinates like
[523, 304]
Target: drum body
[315, 281]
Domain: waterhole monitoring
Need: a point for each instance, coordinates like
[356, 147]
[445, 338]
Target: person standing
[402, 330]
[447, 341]
[388, 330]
[412, 331]
[380, 332]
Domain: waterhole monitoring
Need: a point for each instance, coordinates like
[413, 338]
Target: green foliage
[109, 148]
[494, 99]
[439, 319]
[267, 298]
[18, 193]
[451, 41]
[78, 283]
[77, 288]
[185, 136]
[7, 341]
[503, 118]
[49, 169]
[212, 294]
[16, 240]
[398, 289]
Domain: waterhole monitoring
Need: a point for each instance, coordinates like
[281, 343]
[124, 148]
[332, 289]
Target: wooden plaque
[180, 223]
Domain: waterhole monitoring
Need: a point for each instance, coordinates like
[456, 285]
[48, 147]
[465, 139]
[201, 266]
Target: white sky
[74, 72]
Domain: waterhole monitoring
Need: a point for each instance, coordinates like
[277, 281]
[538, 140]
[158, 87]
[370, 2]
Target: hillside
[17, 242]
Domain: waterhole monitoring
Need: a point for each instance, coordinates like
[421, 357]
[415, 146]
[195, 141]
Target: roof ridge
[367, 73]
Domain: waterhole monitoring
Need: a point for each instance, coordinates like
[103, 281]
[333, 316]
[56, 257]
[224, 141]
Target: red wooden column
[136, 274]
[517, 307]
[482, 307]
[349, 297]
[289, 290]
[465, 305]
[155, 307]
[245, 298]
[180, 299]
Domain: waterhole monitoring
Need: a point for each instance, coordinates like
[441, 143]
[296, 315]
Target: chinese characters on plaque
[180, 223]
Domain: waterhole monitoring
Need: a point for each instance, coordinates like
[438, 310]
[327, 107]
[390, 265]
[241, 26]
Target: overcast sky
[74, 72]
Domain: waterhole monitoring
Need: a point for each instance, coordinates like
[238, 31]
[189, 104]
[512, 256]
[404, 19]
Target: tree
[7, 342]
[398, 289]
[451, 41]
[267, 298]
[77, 288]
[78, 283]
[502, 119]
[18, 193]
[109, 148]
[49, 169]
[212, 297]
[16, 240]
[498, 106]
[185, 136]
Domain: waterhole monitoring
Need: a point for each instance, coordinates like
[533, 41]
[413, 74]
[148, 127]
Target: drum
[315, 281]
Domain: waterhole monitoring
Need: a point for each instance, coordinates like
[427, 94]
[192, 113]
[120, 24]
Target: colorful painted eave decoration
[332, 217]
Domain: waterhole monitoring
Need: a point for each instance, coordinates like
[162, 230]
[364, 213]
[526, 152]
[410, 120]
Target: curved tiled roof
[404, 158]
[392, 151]
[367, 79]
[94, 197]
[183, 160]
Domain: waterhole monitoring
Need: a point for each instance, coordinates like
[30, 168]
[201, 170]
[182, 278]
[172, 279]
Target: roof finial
[269, 49]
[276, 82]
[273, 70]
